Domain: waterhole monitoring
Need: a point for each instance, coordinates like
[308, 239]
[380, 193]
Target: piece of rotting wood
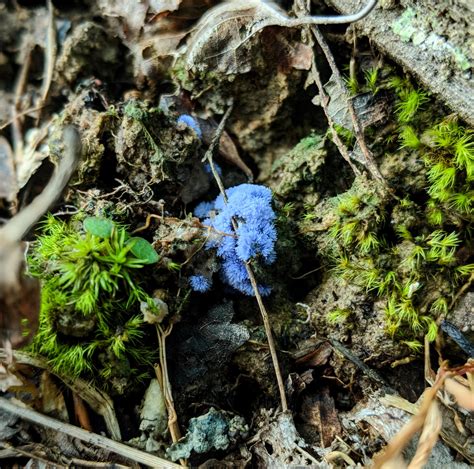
[426, 54]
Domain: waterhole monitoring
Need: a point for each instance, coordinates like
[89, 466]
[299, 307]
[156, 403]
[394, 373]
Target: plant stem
[266, 322]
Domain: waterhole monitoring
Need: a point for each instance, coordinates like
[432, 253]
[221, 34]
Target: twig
[373, 375]
[266, 322]
[85, 436]
[324, 103]
[369, 159]
[49, 59]
[98, 401]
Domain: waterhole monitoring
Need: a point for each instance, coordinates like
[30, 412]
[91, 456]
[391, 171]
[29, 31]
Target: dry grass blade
[428, 438]
[463, 395]
[398, 443]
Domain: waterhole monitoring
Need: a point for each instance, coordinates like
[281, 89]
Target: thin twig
[85, 436]
[324, 103]
[373, 375]
[97, 400]
[369, 158]
[266, 322]
[49, 58]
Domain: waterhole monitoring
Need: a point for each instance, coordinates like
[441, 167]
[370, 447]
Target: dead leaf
[52, 398]
[227, 147]
[370, 109]
[320, 411]
[300, 56]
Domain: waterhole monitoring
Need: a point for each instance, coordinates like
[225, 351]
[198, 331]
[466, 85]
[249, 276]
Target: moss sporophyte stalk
[90, 321]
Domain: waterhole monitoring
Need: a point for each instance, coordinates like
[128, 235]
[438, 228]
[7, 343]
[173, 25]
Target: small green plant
[338, 316]
[91, 294]
[371, 79]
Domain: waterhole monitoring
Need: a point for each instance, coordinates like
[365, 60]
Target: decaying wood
[456, 90]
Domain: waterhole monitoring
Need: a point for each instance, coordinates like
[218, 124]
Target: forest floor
[231, 240]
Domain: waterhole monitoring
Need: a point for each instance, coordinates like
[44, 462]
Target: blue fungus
[190, 122]
[207, 169]
[251, 206]
[199, 283]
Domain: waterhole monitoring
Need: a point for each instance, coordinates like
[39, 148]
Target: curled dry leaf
[222, 31]
[134, 14]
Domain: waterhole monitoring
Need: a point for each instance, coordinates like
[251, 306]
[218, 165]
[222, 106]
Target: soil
[362, 270]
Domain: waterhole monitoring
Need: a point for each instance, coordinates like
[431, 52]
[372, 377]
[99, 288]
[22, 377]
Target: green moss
[405, 252]
[91, 294]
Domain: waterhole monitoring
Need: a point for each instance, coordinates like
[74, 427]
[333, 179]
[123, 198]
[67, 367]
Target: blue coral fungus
[250, 205]
[199, 283]
[190, 122]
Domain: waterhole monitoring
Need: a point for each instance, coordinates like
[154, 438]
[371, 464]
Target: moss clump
[404, 250]
[90, 324]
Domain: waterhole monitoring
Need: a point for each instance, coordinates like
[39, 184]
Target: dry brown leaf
[52, 399]
[223, 30]
[320, 411]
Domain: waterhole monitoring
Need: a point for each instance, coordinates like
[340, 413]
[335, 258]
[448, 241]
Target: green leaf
[100, 227]
[142, 249]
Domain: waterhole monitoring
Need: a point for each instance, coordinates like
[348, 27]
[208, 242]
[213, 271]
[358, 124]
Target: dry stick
[98, 401]
[49, 58]
[266, 322]
[161, 371]
[371, 165]
[31, 455]
[324, 103]
[85, 436]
